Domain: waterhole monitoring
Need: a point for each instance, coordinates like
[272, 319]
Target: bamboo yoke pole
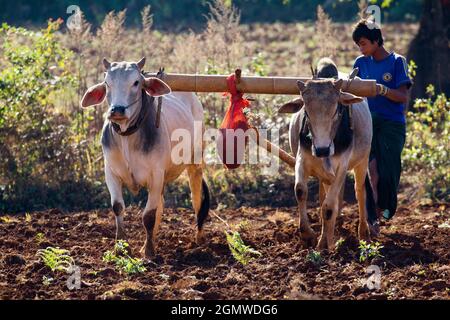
[258, 85]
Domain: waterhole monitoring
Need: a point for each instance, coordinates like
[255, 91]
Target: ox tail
[204, 207]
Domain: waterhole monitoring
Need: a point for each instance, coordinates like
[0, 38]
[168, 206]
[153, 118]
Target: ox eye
[136, 83]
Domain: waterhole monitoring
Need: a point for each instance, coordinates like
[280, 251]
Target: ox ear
[156, 87]
[347, 98]
[94, 95]
[292, 106]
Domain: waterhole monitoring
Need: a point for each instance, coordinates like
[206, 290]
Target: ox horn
[106, 63]
[141, 63]
[313, 72]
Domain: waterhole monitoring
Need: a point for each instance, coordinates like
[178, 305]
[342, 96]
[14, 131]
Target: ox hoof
[368, 239]
[200, 238]
[365, 232]
[148, 251]
[309, 238]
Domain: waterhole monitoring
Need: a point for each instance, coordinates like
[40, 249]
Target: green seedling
[368, 251]
[241, 252]
[55, 258]
[93, 273]
[315, 257]
[39, 237]
[122, 260]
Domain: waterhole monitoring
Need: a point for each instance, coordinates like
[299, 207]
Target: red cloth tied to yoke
[234, 120]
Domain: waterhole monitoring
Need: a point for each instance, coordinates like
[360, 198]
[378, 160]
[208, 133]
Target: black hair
[362, 30]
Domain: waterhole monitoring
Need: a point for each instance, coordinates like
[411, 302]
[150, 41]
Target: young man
[388, 119]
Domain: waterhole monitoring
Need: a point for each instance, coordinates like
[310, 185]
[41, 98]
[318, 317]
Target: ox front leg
[151, 217]
[329, 212]
[360, 190]
[114, 185]
[301, 194]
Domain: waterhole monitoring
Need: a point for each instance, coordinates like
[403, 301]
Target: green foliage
[241, 252]
[25, 85]
[368, 251]
[122, 260]
[40, 146]
[428, 143]
[315, 257]
[412, 69]
[55, 258]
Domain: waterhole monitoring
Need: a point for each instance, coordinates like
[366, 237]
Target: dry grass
[224, 44]
[325, 35]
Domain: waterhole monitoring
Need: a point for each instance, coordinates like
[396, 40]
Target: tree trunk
[430, 49]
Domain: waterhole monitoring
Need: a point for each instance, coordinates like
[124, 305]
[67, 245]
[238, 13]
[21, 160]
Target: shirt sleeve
[401, 73]
[356, 65]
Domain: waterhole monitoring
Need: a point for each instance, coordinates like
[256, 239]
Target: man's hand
[382, 90]
[397, 95]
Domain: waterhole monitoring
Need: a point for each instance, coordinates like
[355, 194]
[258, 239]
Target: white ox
[137, 153]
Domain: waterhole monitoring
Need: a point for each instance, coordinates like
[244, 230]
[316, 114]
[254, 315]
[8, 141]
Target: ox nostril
[322, 152]
[118, 109]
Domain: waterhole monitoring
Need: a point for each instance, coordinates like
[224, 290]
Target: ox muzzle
[117, 112]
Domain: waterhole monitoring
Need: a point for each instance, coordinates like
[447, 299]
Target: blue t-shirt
[392, 72]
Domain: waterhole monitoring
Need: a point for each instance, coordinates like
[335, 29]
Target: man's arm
[402, 83]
